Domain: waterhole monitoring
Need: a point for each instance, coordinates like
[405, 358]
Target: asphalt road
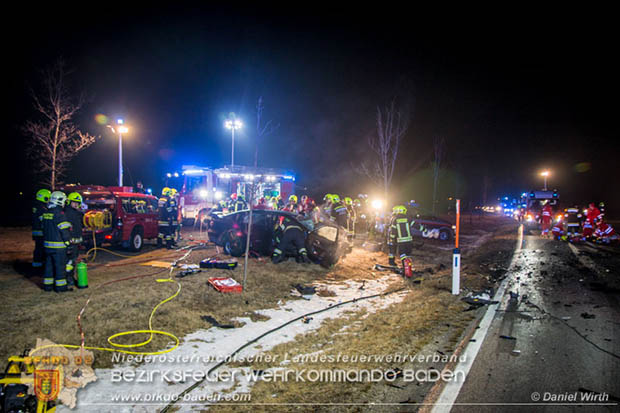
[560, 297]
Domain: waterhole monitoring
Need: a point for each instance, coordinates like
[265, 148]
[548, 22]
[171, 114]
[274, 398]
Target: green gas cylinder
[82, 275]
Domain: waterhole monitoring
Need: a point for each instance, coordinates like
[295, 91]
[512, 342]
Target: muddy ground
[431, 315]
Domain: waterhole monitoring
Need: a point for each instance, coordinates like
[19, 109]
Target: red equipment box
[225, 285]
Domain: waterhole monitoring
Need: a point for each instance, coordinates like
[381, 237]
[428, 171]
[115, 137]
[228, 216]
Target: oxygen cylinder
[82, 275]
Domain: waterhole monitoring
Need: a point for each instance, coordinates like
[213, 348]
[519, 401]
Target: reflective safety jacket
[75, 217]
[164, 216]
[237, 205]
[399, 229]
[173, 211]
[37, 224]
[56, 228]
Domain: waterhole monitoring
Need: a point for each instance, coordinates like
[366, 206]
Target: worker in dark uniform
[399, 235]
[73, 212]
[573, 222]
[290, 240]
[56, 239]
[163, 221]
[339, 212]
[292, 205]
[38, 209]
[173, 211]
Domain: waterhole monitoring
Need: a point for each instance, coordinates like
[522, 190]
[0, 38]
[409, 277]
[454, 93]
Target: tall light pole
[120, 129]
[233, 123]
[545, 174]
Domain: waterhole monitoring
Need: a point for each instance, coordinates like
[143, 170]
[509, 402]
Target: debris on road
[507, 337]
[587, 315]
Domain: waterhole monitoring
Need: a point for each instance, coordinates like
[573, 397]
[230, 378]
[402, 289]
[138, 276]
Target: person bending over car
[290, 241]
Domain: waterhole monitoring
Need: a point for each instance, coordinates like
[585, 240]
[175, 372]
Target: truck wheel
[233, 244]
[136, 240]
[444, 235]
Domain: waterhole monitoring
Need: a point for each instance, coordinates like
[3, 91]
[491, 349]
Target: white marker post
[456, 257]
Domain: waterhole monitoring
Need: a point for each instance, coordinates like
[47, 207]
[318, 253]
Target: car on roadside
[325, 242]
[117, 218]
[427, 225]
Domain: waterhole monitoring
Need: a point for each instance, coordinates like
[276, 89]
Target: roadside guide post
[247, 242]
[456, 257]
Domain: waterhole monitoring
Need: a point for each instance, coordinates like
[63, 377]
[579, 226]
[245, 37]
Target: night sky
[511, 92]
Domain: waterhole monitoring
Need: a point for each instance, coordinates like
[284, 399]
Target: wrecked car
[325, 242]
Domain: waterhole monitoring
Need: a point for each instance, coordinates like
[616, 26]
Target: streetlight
[121, 129]
[233, 123]
[545, 174]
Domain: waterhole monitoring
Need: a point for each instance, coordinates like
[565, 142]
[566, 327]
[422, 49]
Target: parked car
[130, 218]
[324, 242]
[427, 225]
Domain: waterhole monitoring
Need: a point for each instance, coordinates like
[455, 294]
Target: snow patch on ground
[203, 349]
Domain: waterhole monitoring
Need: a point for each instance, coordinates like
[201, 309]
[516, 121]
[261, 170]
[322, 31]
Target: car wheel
[233, 244]
[137, 240]
[444, 235]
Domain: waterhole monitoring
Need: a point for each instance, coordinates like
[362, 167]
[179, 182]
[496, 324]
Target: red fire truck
[534, 201]
[200, 188]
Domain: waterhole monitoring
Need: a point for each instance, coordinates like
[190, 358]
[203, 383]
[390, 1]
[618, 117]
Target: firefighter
[163, 221]
[290, 240]
[399, 235]
[73, 212]
[326, 208]
[573, 221]
[173, 217]
[38, 209]
[56, 239]
[291, 205]
[339, 213]
[351, 216]
[545, 220]
[236, 203]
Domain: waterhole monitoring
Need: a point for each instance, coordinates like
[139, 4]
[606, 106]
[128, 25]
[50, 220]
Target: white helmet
[58, 199]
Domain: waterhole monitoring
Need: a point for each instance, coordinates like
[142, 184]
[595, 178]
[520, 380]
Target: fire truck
[201, 188]
[533, 202]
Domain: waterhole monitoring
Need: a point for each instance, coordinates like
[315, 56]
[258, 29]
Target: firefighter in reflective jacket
[38, 209]
[73, 212]
[173, 211]
[236, 203]
[56, 239]
[573, 221]
[339, 212]
[290, 240]
[163, 222]
[545, 219]
[399, 235]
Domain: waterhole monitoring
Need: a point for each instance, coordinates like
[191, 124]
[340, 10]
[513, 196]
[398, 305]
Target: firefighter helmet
[172, 192]
[335, 198]
[43, 195]
[58, 198]
[357, 202]
[327, 197]
[165, 191]
[74, 197]
[348, 201]
[233, 196]
[293, 199]
[399, 209]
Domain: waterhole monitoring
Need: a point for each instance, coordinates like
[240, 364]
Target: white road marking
[452, 388]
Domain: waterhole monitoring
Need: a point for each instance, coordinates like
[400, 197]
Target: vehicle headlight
[203, 193]
[529, 218]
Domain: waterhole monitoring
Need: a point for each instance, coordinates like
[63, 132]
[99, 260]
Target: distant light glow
[101, 119]
[377, 204]
[169, 175]
[176, 174]
[218, 195]
[119, 121]
[194, 172]
[123, 129]
[203, 193]
[544, 173]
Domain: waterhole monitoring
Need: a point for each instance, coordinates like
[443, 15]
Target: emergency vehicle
[201, 188]
[533, 202]
[117, 215]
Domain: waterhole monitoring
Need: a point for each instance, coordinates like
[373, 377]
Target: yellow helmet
[399, 209]
[172, 192]
[43, 195]
[292, 198]
[348, 201]
[165, 191]
[335, 198]
[74, 197]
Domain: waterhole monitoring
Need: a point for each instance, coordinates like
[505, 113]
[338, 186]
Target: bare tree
[392, 123]
[261, 130]
[439, 146]
[53, 138]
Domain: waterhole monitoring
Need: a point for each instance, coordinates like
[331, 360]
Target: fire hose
[125, 348]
